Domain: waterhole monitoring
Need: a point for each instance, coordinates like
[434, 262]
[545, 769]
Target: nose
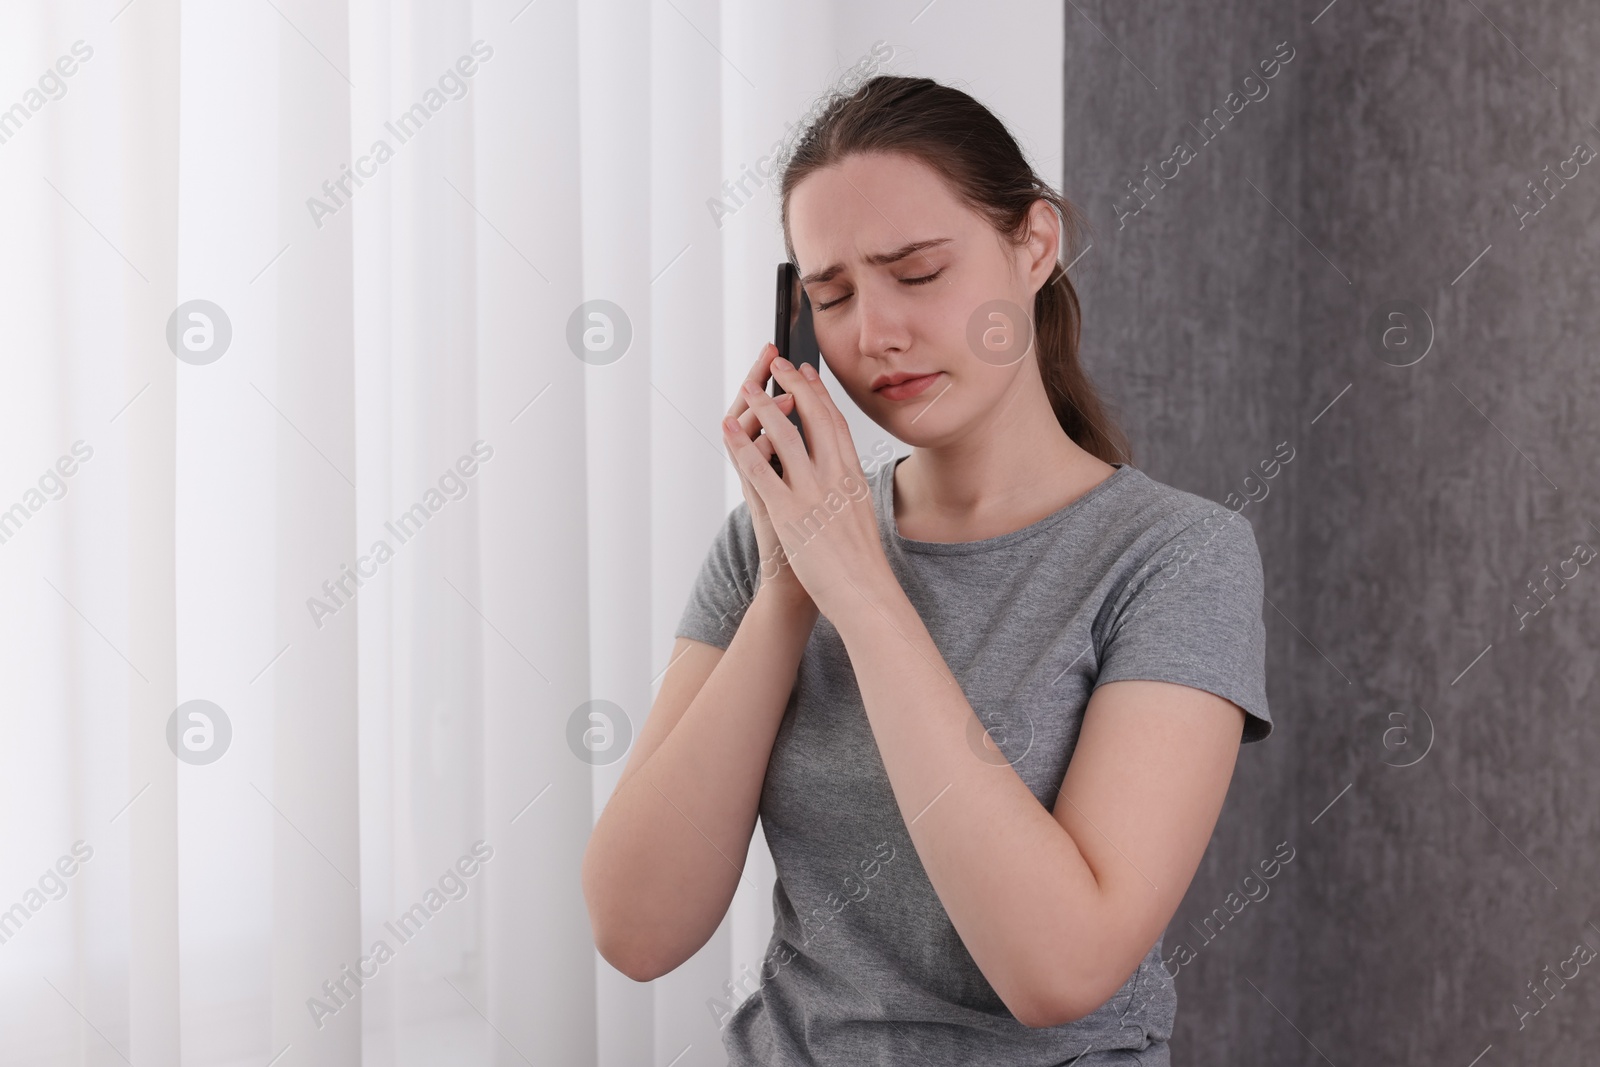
[883, 320]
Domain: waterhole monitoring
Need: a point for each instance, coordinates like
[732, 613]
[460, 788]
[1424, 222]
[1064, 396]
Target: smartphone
[794, 335]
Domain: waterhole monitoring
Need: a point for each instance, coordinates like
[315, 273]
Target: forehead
[867, 204]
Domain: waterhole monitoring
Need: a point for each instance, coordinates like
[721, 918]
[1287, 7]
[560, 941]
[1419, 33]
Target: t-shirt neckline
[885, 498]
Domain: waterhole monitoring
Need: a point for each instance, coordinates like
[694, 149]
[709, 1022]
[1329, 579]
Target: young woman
[987, 700]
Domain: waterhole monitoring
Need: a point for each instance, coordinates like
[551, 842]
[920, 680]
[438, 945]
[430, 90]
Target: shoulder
[741, 533]
[735, 539]
[726, 582]
[1156, 501]
[1161, 526]
[1184, 600]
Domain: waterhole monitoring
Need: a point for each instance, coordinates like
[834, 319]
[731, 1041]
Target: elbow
[623, 951]
[1071, 975]
[1045, 1011]
[1056, 996]
[613, 940]
[1037, 1006]
[625, 962]
[632, 925]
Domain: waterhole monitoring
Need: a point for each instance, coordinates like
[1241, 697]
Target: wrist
[868, 603]
[787, 596]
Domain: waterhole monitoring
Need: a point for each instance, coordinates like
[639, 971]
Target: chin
[928, 430]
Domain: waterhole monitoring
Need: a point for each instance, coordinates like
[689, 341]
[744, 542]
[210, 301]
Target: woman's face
[905, 279]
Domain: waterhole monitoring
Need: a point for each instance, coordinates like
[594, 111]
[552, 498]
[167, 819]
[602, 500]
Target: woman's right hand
[776, 574]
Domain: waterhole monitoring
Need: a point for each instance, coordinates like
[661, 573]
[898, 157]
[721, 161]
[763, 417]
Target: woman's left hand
[821, 508]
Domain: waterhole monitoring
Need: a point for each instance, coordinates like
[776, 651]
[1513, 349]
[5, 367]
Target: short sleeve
[726, 583]
[1194, 618]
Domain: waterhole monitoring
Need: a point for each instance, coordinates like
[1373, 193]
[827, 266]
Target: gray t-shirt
[1134, 579]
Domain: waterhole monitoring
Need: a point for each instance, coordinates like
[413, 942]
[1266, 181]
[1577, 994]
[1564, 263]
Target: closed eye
[908, 281]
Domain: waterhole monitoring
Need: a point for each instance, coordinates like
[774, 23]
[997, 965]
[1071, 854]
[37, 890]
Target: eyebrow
[877, 259]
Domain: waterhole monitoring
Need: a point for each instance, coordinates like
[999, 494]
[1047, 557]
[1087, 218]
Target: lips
[908, 387]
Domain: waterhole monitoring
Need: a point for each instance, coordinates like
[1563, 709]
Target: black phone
[795, 336]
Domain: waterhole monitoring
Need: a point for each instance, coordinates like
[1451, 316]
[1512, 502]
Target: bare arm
[666, 855]
[1056, 909]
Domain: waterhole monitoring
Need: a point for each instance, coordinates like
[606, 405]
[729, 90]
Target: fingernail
[779, 361]
[730, 423]
[809, 371]
[751, 387]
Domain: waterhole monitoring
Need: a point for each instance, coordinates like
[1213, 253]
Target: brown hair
[974, 153]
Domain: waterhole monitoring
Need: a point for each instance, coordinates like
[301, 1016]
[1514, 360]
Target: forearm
[667, 852]
[1014, 883]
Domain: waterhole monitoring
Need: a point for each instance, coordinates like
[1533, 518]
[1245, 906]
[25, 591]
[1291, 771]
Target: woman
[987, 700]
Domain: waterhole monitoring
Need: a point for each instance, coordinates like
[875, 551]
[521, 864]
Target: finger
[785, 438]
[841, 437]
[752, 462]
[760, 371]
[763, 446]
[815, 419]
[840, 424]
[751, 424]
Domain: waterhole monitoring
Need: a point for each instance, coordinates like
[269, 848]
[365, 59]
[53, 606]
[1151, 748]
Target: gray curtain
[1382, 259]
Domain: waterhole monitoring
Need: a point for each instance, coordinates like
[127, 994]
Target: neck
[1007, 460]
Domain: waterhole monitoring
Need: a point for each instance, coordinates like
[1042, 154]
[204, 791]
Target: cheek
[839, 354]
[970, 390]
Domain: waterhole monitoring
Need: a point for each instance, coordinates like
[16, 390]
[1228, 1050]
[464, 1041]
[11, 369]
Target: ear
[1042, 244]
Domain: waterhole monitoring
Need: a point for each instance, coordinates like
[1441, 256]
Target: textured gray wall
[1453, 735]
